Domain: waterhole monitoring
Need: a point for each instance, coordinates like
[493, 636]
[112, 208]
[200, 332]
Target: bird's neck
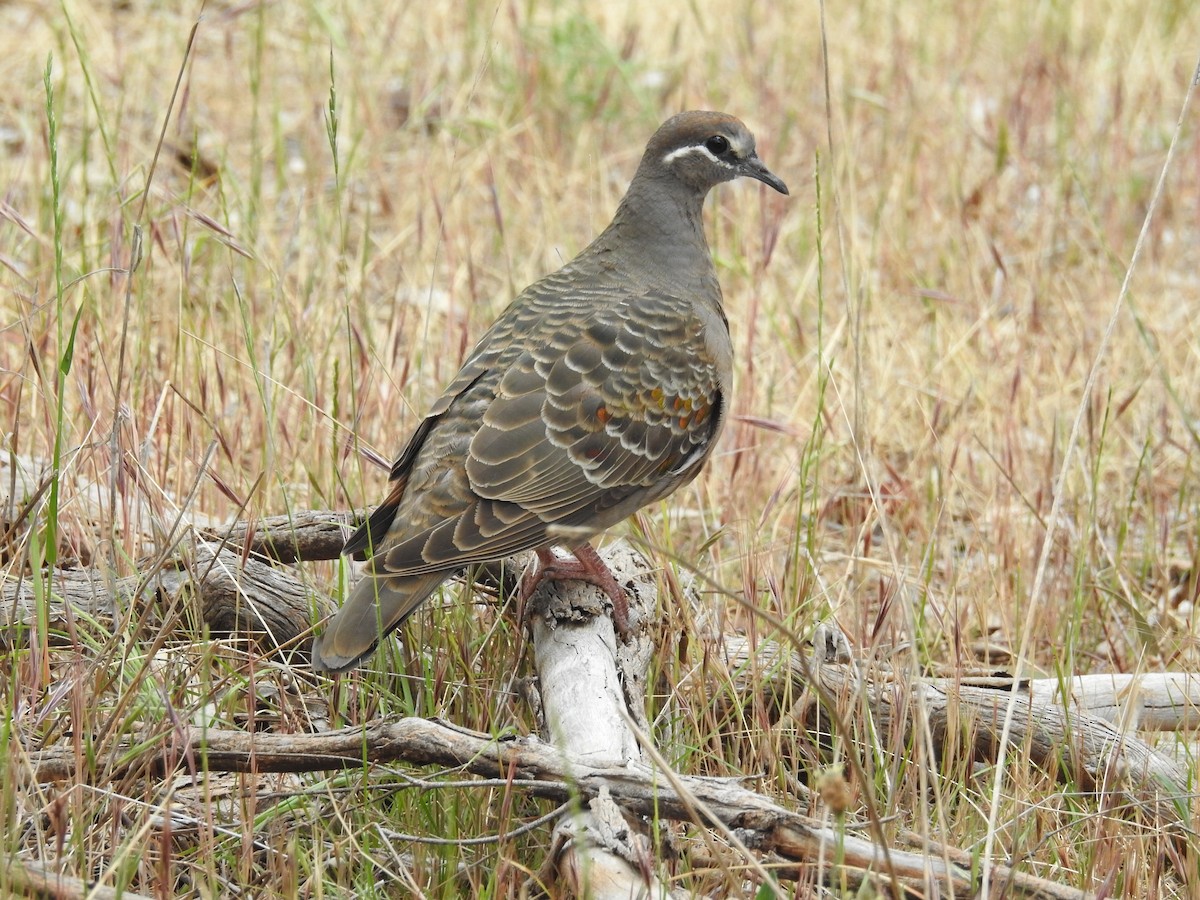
[659, 223]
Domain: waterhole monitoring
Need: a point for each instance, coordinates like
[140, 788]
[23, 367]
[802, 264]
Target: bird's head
[702, 149]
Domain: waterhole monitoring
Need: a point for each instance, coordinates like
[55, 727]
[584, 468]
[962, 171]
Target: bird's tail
[378, 605]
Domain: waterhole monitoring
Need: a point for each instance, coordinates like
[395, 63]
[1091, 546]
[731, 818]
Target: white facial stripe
[695, 148]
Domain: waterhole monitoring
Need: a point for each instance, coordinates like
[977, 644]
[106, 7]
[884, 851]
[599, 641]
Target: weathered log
[1072, 743]
[246, 597]
[587, 714]
[249, 595]
[544, 771]
[306, 535]
[252, 597]
[36, 879]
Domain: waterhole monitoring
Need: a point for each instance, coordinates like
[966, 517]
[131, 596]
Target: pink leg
[587, 567]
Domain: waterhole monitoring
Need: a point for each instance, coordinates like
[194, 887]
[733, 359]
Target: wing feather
[563, 418]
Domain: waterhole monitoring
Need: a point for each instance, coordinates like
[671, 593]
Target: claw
[587, 567]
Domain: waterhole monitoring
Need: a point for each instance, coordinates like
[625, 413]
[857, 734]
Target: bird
[601, 388]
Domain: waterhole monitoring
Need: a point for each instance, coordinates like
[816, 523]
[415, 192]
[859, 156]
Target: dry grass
[919, 349]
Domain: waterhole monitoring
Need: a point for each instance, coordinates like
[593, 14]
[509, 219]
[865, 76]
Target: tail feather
[377, 606]
[372, 532]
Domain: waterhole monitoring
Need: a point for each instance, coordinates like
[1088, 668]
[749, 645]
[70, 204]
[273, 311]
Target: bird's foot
[587, 567]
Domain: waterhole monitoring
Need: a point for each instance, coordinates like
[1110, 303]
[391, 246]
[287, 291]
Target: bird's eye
[717, 144]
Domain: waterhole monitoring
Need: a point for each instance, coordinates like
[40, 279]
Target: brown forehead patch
[695, 127]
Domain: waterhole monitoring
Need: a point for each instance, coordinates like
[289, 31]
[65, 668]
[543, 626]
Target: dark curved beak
[753, 168]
